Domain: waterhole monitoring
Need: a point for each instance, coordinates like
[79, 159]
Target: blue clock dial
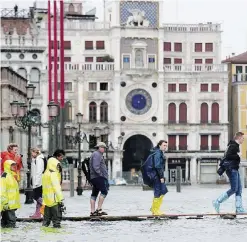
[138, 101]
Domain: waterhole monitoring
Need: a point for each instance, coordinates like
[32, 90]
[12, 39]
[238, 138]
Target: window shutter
[204, 113]
[209, 61]
[177, 61]
[204, 87]
[167, 46]
[88, 59]
[215, 87]
[172, 113]
[183, 113]
[215, 142]
[182, 142]
[172, 142]
[171, 87]
[167, 61]
[215, 113]
[198, 47]
[88, 45]
[182, 87]
[198, 61]
[209, 47]
[67, 45]
[204, 142]
[100, 45]
[178, 47]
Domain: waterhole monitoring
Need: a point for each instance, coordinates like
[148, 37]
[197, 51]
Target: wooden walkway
[145, 217]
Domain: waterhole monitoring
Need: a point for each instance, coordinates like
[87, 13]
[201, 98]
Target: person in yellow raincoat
[10, 195]
[52, 191]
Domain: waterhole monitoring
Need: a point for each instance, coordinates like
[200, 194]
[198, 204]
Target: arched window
[172, 113]
[204, 113]
[183, 113]
[215, 113]
[71, 8]
[68, 112]
[103, 112]
[23, 72]
[92, 112]
[35, 79]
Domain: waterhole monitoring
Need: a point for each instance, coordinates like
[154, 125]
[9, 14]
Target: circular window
[154, 134]
[154, 119]
[154, 84]
[21, 56]
[122, 133]
[123, 84]
[8, 55]
[123, 118]
[34, 56]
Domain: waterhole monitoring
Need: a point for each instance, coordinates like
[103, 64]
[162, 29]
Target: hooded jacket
[10, 195]
[52, 191]
[159, 162]
[14, 157]
[231, 154]
[37, 168]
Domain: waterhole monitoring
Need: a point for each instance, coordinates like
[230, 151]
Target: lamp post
[27, 118]
[77, 137]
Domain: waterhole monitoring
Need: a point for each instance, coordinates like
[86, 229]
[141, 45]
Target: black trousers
[53, 214]
[8, 219]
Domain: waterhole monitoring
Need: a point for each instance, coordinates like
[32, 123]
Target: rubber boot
[152, 207]
[37, 213]
[156, 206]
[160, 203]
[223, 197]
[239, 205]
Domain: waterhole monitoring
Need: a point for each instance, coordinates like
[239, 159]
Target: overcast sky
[231, 13]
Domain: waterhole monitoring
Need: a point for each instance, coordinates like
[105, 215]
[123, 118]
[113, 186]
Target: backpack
[148, 171]
[86, 169]
[45, 163]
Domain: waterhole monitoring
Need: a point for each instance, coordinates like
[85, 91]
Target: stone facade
[146, 56]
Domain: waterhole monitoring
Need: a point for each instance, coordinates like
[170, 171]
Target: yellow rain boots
[155, 209]
[160, 203]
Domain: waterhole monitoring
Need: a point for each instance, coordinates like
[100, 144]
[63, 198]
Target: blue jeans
[159, 188]
[235, 183]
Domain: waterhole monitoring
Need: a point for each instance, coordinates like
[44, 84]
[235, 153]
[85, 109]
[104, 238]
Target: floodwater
[134, 201]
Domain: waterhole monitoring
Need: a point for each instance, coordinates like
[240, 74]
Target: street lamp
[27, 118]
[76, 137]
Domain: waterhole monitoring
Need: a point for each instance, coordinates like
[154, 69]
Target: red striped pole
[49, 54]
[55, 52]
[62, 53]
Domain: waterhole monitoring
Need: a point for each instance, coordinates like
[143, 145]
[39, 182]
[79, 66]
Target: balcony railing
[208, 27]
[204, 147]
[241, 77]
[99, 66]
[195, 68]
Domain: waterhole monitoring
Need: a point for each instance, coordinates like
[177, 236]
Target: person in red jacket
[11, 154]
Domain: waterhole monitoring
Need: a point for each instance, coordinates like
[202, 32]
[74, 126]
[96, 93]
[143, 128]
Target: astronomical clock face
[138, 101]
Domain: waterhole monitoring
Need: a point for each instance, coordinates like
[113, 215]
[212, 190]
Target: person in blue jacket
[159, 185]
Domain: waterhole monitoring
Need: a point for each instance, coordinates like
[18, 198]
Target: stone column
[98, 112]
[166, 170]
[187, 170]
[210, 112]
[193, 170]
[199, 171]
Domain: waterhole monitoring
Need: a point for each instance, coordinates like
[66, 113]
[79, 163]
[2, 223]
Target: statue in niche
[137, 19]
[139, 59]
